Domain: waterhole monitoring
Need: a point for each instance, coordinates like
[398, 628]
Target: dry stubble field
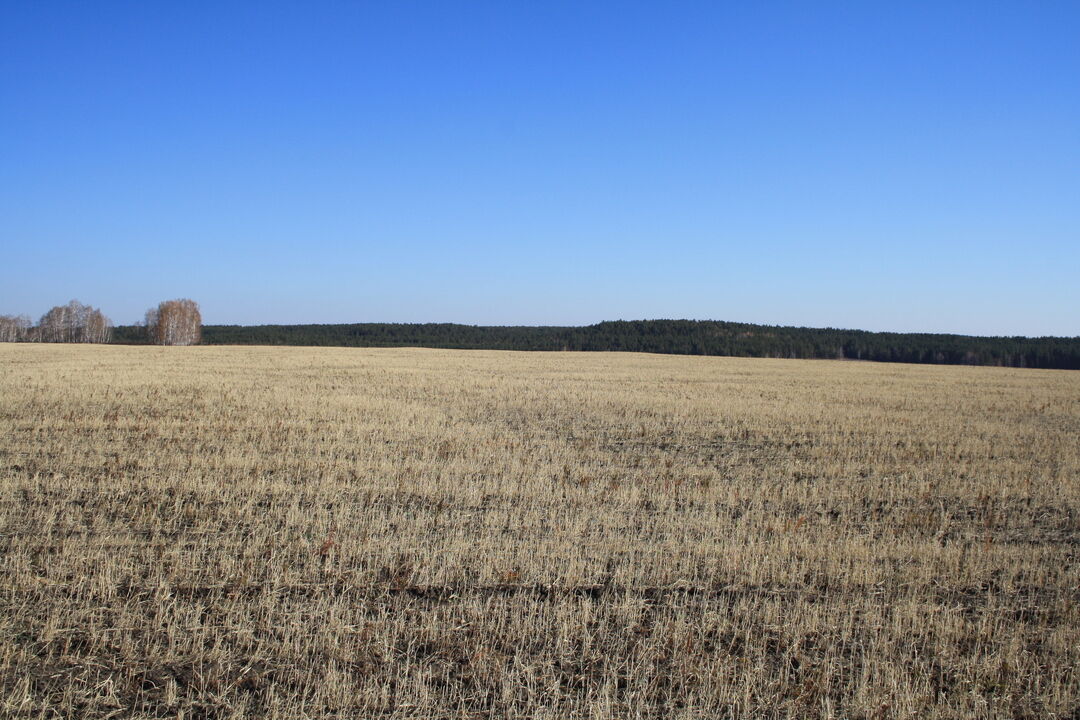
[312, 533]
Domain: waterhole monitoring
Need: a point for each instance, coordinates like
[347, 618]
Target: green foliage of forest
[680, 337]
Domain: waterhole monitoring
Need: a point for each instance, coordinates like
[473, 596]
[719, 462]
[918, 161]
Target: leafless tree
[74, 323]
[14, 328]
[174, 322]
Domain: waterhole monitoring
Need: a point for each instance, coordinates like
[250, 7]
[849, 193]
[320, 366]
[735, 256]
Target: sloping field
[288, 532]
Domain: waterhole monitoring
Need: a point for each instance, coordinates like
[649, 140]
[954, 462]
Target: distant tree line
[681, 337]
[71, 323]
[179, 322]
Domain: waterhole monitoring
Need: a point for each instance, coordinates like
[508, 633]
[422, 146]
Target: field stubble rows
[290, 532]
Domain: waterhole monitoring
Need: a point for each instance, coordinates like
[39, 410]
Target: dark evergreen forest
[681, 337]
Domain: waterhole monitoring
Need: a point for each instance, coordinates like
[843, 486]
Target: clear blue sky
[904, 166]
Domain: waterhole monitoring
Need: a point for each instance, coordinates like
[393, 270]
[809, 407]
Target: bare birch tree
[14, 328]
[174, 322]
[74, 323]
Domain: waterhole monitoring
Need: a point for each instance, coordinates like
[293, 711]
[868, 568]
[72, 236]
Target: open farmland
[293, 532]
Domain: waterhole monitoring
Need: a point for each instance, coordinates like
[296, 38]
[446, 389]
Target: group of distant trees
[71, 323]
[14, 328]
[173, 322]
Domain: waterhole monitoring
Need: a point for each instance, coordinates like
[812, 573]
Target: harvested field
[252, 532]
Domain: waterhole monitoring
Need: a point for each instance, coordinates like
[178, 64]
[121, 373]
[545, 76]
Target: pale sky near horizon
[884, 166]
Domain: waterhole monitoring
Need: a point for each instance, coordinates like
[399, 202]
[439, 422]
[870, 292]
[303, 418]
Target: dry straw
[291, 533]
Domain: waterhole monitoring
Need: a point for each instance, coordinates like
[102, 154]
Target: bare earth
[313, 533]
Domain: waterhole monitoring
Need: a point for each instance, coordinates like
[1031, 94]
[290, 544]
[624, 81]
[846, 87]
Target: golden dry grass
[292, 532]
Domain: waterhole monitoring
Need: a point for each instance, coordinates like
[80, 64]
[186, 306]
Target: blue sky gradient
[907, 166]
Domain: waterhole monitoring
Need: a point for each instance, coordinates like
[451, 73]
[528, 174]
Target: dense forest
[683, 337]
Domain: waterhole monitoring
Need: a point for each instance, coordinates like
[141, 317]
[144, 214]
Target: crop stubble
[298, 532]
